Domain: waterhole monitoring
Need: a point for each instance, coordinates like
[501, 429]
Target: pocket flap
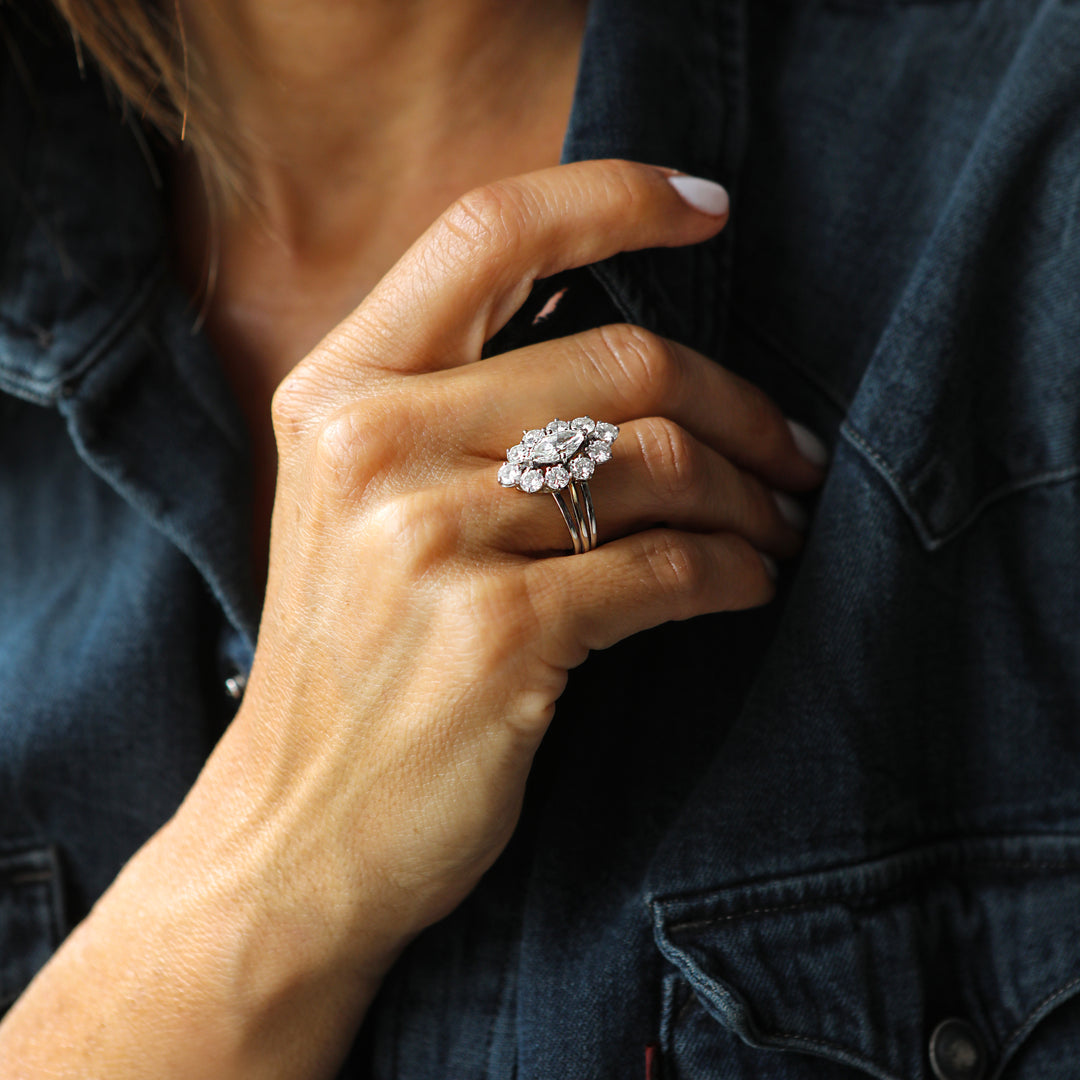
[860, 964]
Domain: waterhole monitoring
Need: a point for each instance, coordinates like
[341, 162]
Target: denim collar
[81, 224]
[659, 83]
[84, 227]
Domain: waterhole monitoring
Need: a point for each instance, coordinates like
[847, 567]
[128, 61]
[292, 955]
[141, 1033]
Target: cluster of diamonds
[548, 459]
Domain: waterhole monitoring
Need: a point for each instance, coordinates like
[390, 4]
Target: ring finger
[659, 474]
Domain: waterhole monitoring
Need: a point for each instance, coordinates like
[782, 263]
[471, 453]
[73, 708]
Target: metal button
[957, 1051]
[234, 685]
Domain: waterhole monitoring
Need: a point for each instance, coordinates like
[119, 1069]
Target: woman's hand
[420, 620]
[418, 627]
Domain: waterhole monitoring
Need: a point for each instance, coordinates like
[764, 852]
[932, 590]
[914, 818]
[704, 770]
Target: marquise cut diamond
[558, 456]
[556, 447]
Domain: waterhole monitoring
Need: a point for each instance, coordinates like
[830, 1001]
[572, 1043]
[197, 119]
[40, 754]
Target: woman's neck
[362, 120]
[337, 102]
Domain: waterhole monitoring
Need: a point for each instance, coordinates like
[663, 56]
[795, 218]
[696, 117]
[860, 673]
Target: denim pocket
[31, 916]
[814, 975]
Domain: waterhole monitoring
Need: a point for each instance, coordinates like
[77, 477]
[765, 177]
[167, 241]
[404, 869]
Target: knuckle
[489, 612]
[490, 217]
[290, 408]
[647, 366]
[347, 452]
[670, 457]
[680, 570]
[335, 445]
[415, 530]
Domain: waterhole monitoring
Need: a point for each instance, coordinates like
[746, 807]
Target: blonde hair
[142, 49]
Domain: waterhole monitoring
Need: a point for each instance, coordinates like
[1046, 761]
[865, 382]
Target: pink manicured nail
[808, 444]
[705, 196]
[770, 565]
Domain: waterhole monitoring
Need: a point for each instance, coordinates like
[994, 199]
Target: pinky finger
[594, 600]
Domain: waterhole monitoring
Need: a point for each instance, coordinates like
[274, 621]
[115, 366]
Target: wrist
[265, 973]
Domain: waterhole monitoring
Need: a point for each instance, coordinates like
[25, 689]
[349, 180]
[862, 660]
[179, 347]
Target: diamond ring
[559, 459]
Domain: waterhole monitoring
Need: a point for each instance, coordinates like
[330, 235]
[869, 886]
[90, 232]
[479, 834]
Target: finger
[472, 269]
[595, 600]
[659, 475]
[619, 373]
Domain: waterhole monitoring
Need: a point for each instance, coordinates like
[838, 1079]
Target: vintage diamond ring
[559, 460]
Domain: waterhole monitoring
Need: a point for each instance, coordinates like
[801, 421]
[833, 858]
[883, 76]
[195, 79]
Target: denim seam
[22, 382]
[1032, 1021]
[842, 1052]
[848, 900]
[780, 1040]
[930, 539]
[851, 898]
[954, 851]
[789, 357]
[790, 1038]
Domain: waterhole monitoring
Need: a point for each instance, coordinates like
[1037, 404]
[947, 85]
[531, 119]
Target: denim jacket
[834, 837]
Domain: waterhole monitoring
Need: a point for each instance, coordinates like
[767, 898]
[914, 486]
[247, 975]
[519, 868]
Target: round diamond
[533, 436]
[607, 432]
[558, 425]
[599, 452]
[556, 478]
[510, 474]
[531, 481]
[581, 468]
[583, 423]
[516, 454]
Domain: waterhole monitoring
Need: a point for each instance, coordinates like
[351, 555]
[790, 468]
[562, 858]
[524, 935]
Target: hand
[419, 622]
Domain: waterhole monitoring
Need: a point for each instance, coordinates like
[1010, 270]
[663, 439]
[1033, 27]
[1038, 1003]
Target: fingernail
[808, 444]
[705, 196]
[770, 565]
[790, 510]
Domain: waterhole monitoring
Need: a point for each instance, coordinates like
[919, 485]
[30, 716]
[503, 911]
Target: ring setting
[559, 459]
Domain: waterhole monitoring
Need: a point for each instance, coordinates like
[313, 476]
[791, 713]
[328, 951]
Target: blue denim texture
[780, 844]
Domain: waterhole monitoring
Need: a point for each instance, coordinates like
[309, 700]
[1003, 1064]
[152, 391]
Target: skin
[417, 102]
[418, 628]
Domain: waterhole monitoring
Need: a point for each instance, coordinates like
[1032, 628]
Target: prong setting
[560, 454]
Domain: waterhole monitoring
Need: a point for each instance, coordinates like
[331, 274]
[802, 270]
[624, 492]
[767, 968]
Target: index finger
[473, 268]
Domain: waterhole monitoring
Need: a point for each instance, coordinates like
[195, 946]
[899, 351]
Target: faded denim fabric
[834, 837]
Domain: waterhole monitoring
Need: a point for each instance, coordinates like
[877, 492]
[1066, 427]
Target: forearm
[198, 961]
